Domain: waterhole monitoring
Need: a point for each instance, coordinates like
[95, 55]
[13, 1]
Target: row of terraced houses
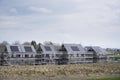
[48, 54]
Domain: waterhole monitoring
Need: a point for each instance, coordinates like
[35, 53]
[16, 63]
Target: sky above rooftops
[89, 22]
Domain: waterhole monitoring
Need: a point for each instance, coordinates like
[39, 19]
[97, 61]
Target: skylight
[47, 48]
[28, 49]
[75, 48]
[14, 48]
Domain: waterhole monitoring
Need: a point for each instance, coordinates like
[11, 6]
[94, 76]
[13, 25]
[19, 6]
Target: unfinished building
[48, 54]
[99, 54]
[75, 54]
[20, 54]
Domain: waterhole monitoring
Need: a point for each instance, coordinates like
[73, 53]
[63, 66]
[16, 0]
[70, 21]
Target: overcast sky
[89, 22]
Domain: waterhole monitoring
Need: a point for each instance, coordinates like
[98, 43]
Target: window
[43, 55]
[77, 55]
[52, 56]
[89, 55]
[75, 48]
[26, 56]
[14, 48]
[58, 55]
[47, 48]
[47, 61]
[12, 56]
[47, 55]
[82, 55]
[71, 55]
[82, 59]
[28, 49]
[37, 56]
[32, 56]
[18, 56]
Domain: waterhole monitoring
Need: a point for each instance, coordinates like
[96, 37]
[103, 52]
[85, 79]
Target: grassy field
[76, 70]
[117, 56]
[114, 78]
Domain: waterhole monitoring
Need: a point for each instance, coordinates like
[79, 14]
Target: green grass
[116, 57]
[115, 78]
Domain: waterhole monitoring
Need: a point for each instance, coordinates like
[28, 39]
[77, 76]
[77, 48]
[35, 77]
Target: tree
[16, 43]
[2, 48]
[26, 43]
[38, 47]
[1, 59]
[4, 43]
[57, 46]
[48, 43]
[34, 44]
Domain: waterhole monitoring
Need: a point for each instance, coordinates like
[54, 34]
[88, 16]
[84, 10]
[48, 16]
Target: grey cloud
[40, 10]
[89, 22]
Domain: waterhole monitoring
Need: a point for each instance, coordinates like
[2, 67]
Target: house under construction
[99, 54]
[48, 54]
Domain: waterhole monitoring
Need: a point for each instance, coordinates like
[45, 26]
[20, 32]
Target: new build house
[75, 54]
[99, 54]
[20, 54]
[49, 54]
[46, 55]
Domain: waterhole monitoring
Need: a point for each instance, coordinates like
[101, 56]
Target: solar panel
[28, 49]
[47, 48]
[75, 48]
[14, 48]
[98, 50]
